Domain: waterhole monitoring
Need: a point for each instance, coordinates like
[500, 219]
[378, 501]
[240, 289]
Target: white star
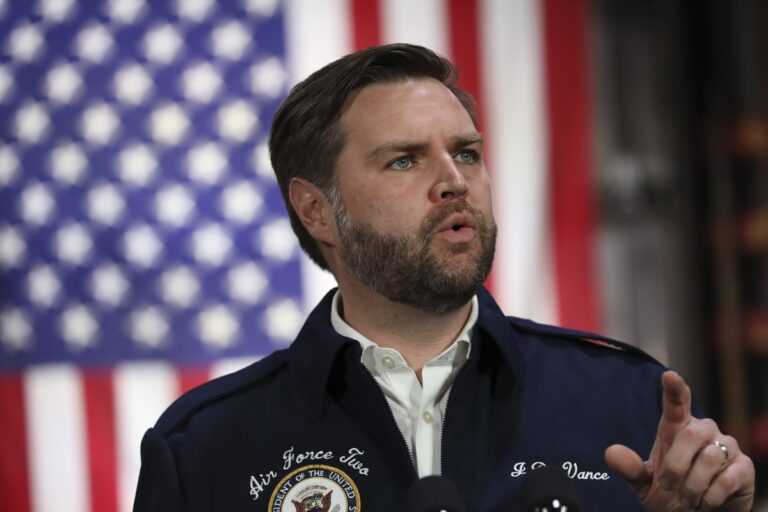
[73, 244]
[268, 78]
[162, 44]
[149, 327]
[241, 202]
[125, 11]
[142, 246]
[32, 123]
[68, 163]
[9, 165]
[201, 82]
[12, 247]
[237, 120]
[43, 286]
[6, 83]
[193, 10]
[276, 240]
[174, 205]
[260, 7]
[169, 124]
[99, 123]
[179, 287]
[26, 42]
[137, 164]
[230, 40]
[283, 320]
[206, 163]
[63, 83]
[94, 43]
[15, 330]
[211, 244]
[56, 11]
[78, 327]
[105, 204]
[36, 204]
[218, 326]
[132, 84]
[261, 161]
[109, 285]
[247, 283]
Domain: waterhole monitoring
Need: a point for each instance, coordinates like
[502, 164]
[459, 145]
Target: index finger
[676, 404]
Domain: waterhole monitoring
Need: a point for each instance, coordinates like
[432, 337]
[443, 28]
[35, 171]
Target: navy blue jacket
[307, 428]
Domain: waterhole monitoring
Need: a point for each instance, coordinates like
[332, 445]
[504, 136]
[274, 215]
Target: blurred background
[144, 247]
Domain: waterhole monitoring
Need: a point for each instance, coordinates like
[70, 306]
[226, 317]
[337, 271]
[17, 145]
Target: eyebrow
[410, 146]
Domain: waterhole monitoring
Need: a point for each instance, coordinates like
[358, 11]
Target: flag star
[262, 8]
[109, 285]
[6, 83]
[94, 43]
[56, 11]
[247, 283]
[137, 164]
[63, 83]
[25, 42]
[9, 165]
[68, 163]
[206, 163]
[201, 82]
[99, 123]
[241, 202]
[268, 78]
[168, 124]
[211, 244]
[179, 287]
[149, 327]
[78, 327]
[282, 320]
[230, 40]
[36, 204]
[237, 120]
[218, 327]
[73, 244]
[43, 286]
[105, 204]
[194, 10]
[32, 123]
[15, 330]
[142, 246]
[12, 247]
[261, 162]
[174, 205]
[276, 240]
[162, 44]
[125, 11]
[132, 84]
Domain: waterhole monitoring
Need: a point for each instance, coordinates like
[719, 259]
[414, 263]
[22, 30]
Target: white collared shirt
[418, 407]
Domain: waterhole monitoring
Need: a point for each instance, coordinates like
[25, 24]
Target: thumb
[629, 465]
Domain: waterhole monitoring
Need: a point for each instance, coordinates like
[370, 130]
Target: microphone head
[548, 488]
[434, 494]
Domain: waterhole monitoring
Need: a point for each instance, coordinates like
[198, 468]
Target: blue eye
[466, 156]
[402, 163]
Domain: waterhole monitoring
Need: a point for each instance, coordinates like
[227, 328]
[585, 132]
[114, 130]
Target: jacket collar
[318, 347]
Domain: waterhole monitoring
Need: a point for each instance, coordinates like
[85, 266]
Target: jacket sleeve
[159, 487]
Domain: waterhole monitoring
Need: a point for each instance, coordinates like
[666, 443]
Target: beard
[406, 268]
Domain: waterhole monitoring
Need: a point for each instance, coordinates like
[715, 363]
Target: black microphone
[548, 489]
[434, 494]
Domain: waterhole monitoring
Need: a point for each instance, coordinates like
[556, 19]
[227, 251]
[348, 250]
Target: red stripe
[14, 468]
[192, 377]
[570, 135]
[366, 23]
[98, 389]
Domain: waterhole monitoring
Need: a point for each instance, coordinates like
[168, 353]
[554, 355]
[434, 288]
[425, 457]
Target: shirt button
[388, 362]
[426, 416]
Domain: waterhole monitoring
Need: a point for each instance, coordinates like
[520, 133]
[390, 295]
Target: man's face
[413, 201]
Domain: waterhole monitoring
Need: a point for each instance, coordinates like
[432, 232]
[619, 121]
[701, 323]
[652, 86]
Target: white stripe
[55, 414]
[517, 142]
[142, 392]
[422, 22]
[230, 365]
[317, 32]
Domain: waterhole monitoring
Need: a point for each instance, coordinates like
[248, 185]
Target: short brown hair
[305, 139]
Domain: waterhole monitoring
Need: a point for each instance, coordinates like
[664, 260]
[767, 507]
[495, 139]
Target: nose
[450, 182]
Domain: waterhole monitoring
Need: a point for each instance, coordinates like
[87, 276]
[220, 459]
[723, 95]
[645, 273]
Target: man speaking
[409, 368]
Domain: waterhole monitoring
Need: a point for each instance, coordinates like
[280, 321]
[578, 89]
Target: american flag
[144, 247]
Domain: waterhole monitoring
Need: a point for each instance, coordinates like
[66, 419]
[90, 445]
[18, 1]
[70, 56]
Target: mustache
[433, 221]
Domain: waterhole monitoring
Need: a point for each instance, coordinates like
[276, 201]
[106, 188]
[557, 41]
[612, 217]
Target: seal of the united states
[315, 488]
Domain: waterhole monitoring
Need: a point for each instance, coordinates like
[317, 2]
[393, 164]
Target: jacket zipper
[445, 416]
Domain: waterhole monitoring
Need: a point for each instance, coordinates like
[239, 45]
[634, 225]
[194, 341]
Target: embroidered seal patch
[315, 488]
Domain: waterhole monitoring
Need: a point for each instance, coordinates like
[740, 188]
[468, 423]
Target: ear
[313, 209]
